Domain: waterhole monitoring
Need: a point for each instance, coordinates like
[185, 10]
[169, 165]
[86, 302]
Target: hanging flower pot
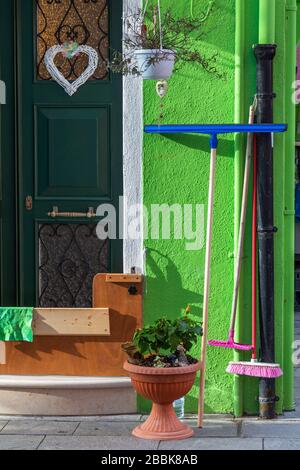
[155, 41]
[155, 64]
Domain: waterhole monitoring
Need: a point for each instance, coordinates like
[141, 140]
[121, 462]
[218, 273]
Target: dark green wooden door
[69, 150]
[8, 242]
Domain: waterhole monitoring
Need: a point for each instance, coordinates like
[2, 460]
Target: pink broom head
[255, 369]
[230, 344]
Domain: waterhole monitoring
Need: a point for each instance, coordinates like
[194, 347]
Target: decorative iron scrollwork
[82, 21]
[69, 257]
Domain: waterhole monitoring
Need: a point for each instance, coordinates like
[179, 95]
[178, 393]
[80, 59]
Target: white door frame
[132, 158]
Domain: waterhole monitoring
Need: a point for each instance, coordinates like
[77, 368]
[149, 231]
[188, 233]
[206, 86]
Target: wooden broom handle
[242, 222]
[206, 284]
[254, 249]
[208, 258]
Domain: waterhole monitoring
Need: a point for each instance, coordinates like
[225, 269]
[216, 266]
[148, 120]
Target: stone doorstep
[62, 382]
[71, 402]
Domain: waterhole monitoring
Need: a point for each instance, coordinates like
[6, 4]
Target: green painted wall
[288, 163]
[298, 22]
[176, 170]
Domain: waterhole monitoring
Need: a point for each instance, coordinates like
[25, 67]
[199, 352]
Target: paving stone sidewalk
[114, 433]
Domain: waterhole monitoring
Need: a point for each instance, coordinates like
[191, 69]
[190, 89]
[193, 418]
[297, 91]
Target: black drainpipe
[264, 56]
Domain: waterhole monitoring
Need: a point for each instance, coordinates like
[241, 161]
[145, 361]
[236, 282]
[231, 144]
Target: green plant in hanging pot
[155, 42]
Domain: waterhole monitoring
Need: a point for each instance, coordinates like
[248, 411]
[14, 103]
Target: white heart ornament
[71, 87]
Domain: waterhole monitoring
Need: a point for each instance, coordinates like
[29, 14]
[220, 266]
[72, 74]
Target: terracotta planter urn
[163, 387]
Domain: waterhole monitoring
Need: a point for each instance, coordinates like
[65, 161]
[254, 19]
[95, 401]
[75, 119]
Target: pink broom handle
[206, 284]
[254, 248]
[242, 226]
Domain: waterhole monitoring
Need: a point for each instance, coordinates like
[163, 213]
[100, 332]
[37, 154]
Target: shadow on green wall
[168, 294]
[201, 143]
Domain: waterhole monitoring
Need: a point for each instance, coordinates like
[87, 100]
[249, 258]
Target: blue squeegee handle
[214, 129]
[214, 141]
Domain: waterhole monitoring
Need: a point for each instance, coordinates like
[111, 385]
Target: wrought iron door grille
[83, 21]
[69, 257]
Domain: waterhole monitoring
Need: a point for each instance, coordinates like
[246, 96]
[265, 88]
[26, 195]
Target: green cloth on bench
[15, 324]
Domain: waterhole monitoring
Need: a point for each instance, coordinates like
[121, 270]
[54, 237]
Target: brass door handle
[55, 213]
[28, 203]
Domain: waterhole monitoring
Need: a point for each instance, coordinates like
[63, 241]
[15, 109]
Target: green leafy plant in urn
[162, 371]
